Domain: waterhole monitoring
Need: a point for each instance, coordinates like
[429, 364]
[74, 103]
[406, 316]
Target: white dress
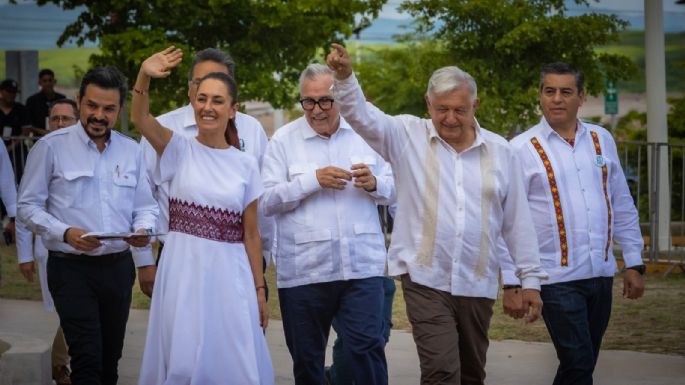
[204, 319]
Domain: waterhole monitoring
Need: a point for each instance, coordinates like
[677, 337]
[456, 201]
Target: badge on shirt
[599, 161]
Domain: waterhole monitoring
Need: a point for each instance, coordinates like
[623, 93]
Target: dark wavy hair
[107, 78]
[231, 133]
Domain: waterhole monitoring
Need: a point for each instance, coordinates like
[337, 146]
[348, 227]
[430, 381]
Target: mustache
[104, 122]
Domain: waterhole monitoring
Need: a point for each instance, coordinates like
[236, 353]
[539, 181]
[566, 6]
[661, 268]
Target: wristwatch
[639, 268]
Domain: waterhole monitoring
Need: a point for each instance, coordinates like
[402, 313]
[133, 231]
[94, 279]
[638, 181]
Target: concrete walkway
[509, 362]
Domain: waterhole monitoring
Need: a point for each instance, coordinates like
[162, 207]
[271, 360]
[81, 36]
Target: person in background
[8, 195]
[39, 103]
[63, 113]
[15, 123]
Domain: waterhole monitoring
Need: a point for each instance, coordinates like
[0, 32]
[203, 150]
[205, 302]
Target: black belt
[104, 258]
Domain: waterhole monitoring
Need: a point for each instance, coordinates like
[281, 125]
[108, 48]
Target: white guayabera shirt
[577, 173]
[323, 234]
[452, 207]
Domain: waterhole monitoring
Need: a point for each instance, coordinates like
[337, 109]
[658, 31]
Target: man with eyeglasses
[182, 121]
[62, 113]
[323, 184]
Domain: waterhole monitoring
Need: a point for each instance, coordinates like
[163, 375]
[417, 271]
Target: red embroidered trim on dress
[605, 175]
[555, 197]
[205, 222]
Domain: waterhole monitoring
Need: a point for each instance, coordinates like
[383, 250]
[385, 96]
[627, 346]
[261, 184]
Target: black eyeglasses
[324, 103]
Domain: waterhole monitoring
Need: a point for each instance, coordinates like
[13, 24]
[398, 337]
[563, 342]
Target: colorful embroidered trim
[605, 175]
[555, 197]
[205, 222]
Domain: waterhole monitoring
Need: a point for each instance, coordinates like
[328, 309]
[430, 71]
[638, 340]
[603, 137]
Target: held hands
[160, 64]
[339, 61]
[363, 177]
[522, 303]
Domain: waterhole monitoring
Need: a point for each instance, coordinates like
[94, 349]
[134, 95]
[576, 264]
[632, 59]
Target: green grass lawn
[632, 44]
[652, 324]
[61, 60]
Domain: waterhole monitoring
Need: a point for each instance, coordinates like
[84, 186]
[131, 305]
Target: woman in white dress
[208, 305]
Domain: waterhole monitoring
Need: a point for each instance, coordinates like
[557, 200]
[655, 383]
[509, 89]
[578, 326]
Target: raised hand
[160, 64]
[339, 61]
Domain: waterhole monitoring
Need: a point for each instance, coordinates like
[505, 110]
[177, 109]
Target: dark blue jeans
[308, 312]
[577, 314]
[340, 370]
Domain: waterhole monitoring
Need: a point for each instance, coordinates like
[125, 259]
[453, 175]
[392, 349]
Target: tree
[503, 44]
[270, 40]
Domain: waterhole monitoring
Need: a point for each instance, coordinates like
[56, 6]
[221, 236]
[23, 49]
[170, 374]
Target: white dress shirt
[69, 183]
[322, 234]
[578, 174]
[8, 188]
[451, 207]
[182, 121]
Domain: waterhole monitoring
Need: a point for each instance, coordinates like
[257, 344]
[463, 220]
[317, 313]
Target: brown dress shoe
[61, 375]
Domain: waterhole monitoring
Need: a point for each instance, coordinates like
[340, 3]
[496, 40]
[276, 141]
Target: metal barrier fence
[643, 165]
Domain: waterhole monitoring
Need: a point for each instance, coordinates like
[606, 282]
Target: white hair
[314, 71]
[448, 79]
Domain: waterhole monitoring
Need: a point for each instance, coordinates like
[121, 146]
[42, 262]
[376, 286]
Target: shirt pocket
[305, 213]
[79, 188]
[313, 250]
[124, 186]
[368, 160]
[296, 169]
[369, 247]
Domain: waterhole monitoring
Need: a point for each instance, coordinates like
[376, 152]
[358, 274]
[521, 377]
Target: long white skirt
[204, 319]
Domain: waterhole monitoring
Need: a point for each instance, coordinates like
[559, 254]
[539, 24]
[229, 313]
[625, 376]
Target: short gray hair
[314, 71]
[448, 79]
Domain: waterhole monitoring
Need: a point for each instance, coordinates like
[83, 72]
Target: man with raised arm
[458, 191]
